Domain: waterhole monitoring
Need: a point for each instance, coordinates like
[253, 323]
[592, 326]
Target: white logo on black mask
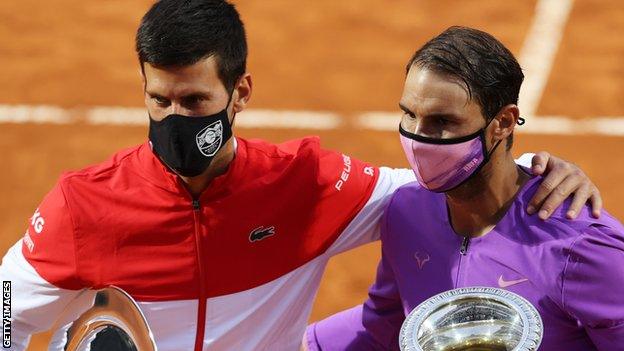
[209, 139]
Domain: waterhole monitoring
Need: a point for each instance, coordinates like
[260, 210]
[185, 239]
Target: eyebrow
[202, 95]
[436, 114]
[152, 94]
[196, 95]
[406, 110]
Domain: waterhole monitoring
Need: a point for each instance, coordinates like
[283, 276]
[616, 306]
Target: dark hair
[182, 32]
[488, 69]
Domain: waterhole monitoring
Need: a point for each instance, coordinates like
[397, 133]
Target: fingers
[554, 190]
[596, 203]
[561, 192]
[539, 162]
[580, 198]
[562, 178]
[550, 182]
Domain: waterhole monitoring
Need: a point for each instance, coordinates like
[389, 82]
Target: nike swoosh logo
[502, 283]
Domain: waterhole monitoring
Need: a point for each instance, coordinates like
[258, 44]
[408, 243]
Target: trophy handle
[113, 308]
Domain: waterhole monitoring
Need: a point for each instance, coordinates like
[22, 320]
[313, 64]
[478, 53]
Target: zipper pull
[464, 245]
[196, 205]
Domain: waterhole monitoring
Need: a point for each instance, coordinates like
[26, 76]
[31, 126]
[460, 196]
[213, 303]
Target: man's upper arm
[342, 331]
[364, 227]
[593, 285]
[41, 269]
[48, 244]
[375, 325]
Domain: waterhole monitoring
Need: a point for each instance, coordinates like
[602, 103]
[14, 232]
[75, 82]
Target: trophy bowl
[472, 319]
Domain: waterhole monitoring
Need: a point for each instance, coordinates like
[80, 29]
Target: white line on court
[34, 114]
[556, 125]
[115, 115]
[539, 50]
[284, 119]
[280, 119]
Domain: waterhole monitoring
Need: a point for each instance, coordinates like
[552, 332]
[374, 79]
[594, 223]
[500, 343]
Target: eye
[409, 115]
[193, 100]
[161, 101]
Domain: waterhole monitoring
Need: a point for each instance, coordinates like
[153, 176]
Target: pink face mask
[443, 164]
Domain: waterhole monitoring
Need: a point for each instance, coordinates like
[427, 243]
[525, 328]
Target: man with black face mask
[182, 148]
[221, 240]
[463, 224]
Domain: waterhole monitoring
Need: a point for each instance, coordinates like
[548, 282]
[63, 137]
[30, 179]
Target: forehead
[201, 76]
[427, 91]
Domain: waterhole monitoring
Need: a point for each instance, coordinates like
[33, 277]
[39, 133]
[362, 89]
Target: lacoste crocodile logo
[502, 283]
[261, 233]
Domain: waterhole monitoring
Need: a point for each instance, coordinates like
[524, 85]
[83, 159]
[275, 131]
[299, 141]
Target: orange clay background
[346, 56]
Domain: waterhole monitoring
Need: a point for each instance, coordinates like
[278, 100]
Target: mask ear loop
[231, 95]
[487, 154]
[228, 105]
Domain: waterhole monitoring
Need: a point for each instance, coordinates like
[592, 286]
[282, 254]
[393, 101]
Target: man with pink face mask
[463, 224]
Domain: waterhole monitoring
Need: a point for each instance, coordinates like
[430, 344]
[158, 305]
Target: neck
[476, 206]
[219, 165]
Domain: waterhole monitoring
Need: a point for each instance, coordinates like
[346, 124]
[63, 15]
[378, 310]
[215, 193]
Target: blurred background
[70, 92]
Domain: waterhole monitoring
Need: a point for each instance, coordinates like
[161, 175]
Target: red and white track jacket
[236, 269]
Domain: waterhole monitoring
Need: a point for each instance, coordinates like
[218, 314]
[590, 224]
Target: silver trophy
[472, 319]
[112, 322]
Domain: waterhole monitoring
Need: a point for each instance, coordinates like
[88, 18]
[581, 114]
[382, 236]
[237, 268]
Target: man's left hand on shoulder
[562, 179]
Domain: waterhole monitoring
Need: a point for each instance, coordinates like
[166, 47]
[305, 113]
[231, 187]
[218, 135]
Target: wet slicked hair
[490, 72]
[177, 33]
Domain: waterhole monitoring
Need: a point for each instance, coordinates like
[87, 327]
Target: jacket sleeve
[363, 228]
[593, 285]
[375, 325]
[39, 271]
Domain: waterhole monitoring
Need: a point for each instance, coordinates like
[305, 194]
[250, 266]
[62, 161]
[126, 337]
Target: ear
[142, 75]
[506, 119]
[143, 84]
[242, 93]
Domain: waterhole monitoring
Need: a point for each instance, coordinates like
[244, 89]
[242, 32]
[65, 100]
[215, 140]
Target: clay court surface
[346, 57]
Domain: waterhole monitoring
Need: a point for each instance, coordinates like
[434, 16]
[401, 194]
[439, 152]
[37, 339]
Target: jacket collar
[161, 176]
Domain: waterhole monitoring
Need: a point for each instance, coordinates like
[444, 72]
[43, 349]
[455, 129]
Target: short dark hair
[489, 70]
[183, 32]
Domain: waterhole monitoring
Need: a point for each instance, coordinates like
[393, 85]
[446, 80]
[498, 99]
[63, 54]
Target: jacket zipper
[201, 305]
[464, 246]
[463, 249]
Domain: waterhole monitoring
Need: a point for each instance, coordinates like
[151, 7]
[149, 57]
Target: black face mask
[186, 144]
